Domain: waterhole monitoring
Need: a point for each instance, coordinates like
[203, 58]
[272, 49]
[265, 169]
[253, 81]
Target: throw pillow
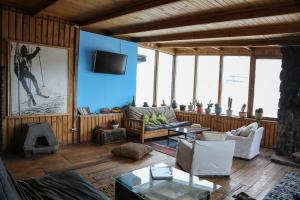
[238, 131]
[132, 150]
[162, 119]
[153, 119]
[245, 132]
[213, 136]
[253, 126]
[146, 119]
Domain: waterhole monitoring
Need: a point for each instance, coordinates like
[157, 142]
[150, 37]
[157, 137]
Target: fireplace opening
[41, 142]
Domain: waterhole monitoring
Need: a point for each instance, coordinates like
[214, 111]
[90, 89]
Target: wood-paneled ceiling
[180, 23]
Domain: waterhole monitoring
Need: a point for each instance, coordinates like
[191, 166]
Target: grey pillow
[132, 150]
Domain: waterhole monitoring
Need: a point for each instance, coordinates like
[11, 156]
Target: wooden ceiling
[180, 23]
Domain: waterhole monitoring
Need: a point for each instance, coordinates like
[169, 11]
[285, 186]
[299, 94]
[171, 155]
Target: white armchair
[206, 158]
[247, 147]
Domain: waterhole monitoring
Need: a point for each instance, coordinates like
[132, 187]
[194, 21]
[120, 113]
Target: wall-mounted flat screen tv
[109, 63]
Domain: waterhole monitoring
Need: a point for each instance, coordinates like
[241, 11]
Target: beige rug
[109, 190]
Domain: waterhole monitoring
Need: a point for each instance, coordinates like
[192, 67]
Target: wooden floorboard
[98, 165]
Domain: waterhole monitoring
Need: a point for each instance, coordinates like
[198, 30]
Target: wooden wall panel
[88, 123]
[17, 25]
[224, 123]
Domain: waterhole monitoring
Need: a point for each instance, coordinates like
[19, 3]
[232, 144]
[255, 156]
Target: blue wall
[97, 90]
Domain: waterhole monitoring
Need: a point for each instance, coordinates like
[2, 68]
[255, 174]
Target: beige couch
[135, 124]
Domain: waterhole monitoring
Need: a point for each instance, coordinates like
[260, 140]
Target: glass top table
[183, 186]
[187, 130]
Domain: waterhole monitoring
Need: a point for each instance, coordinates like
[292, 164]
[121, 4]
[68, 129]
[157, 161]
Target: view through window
[235, 82]
[267, 81]
[145, 77]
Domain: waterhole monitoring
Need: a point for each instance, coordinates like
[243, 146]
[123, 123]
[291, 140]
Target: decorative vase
[190, 107]
[207, 111]
[199, 109]
[229, 113]
[218, 110]
[182, 107]
[145, 104]
[133, 102]
[174, 104]
[258, 116]
[243, 114]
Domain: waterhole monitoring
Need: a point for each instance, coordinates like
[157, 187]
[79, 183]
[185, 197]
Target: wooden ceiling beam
[270, 9]
[234, 43]
[42, 6]
[228, 32]
[124, 10]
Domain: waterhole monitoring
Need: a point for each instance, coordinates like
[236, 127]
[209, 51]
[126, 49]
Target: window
[145, 77]
[266, 91]
[235, 82]
[208, 79]
[184, 79]
[164, 78]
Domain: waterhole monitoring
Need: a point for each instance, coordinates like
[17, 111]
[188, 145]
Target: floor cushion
[132, 150]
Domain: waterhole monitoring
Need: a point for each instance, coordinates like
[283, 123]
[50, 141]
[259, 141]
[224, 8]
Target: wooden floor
[96, 164]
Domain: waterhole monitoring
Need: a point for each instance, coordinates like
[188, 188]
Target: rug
[163, 147]
[108, 190]
[287, 187]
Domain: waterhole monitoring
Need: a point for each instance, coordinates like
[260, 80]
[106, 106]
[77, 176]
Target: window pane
[235, 82]
[184, 79]
[145, 77]
[208, 79]
[164, 78]
[266, 92]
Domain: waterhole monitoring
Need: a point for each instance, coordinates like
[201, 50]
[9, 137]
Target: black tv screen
[110, 63]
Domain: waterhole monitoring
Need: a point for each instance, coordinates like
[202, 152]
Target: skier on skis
[22, 70]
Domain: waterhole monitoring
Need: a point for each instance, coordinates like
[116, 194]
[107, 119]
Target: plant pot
[218, 110]
[174, 104]
[190, 108]
[114, 126]
[207, 111]
[199, 109]
[258, 116]
[229, 113]
[243, 114]
[182, 107]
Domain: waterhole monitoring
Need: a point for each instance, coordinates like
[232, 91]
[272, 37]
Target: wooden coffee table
[186, 130]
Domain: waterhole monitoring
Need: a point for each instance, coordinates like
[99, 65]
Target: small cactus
[229, 103]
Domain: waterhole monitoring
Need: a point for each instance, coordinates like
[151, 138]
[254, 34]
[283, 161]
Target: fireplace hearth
[38, 138]
[288, 135]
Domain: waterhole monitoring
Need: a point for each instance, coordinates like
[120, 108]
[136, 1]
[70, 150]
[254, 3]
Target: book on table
[161, 173]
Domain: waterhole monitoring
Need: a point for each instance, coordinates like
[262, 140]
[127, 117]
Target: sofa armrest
[135, 126]
[234, 137]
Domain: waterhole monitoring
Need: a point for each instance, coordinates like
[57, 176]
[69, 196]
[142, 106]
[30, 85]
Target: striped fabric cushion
[138, 112]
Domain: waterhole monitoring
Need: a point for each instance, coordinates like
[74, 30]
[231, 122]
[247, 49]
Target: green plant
[199, 104]
[229, 103]
[243, 107]
[209, 105]
[114, 122]
[259, 110]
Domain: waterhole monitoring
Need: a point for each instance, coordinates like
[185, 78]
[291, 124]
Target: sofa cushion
[59, 186]
[153, 119]
[138, 112]
[132, 150]
[8, 188]
[162, 119]
[153, 127]
[213, 136]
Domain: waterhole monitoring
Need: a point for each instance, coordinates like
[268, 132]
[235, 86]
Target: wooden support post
[155, 77]
[195, 80]
[220, 80]
[173, 84]
[251, 84]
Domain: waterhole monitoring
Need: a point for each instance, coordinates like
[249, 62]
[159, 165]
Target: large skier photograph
[38, 79]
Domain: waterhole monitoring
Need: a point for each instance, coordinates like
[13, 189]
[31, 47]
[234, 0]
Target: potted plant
[208, 109]
[145, 104]
[259, 114]
[218, 109]
[242, 113]
[229, 111]
[174, 104]
[163, 103]
[199, 106]
[182, 107]
[191, 107]
[114, 124]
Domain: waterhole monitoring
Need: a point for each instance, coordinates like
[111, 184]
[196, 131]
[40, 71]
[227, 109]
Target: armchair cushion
[213, 136]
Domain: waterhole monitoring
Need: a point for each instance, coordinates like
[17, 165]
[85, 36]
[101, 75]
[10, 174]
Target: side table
[105, 136]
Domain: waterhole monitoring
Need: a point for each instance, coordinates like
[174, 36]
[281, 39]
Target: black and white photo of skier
[38, 79]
